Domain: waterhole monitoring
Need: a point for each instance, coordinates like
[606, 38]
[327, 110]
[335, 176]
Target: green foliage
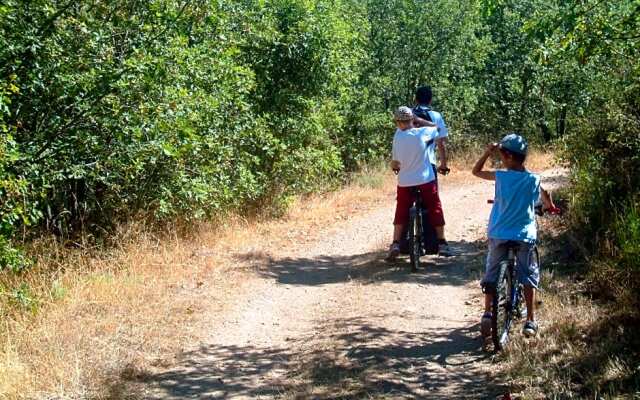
[189, 109]
[12, 258]
[179, 109]
[161, 107]
[24, 298]
[627, 234]
[593, 47]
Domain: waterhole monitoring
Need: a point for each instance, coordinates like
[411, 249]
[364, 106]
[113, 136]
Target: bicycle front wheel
[501, 314]
[415, 242]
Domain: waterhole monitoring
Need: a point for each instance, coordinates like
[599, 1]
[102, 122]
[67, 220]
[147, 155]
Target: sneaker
[485, 325]
[394, 251]
[444, 250]
[530, 329]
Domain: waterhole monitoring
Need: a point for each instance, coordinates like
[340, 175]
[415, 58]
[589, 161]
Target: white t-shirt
[437, 119]
[410, 148]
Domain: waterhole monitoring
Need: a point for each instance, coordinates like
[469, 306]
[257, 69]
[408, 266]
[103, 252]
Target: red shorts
[430, 200]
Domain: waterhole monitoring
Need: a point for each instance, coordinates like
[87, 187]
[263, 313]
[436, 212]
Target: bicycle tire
[414, 241]
[500, 308]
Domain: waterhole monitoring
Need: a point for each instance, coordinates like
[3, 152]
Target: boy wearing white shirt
[411, 160]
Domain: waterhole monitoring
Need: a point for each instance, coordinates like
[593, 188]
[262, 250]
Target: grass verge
[84, 319]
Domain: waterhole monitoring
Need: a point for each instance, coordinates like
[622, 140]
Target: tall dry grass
[86, 314]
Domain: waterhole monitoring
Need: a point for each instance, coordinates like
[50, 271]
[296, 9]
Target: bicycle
[415, 231]
[508, 294]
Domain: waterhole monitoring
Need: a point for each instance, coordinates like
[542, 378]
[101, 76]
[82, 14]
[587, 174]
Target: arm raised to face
[478, 169]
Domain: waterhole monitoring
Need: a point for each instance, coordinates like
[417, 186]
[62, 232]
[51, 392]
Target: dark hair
[516, 156]
[424, 95]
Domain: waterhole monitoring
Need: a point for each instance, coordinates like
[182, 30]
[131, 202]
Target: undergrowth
[589, 341]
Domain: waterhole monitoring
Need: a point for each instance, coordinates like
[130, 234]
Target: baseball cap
[514, 143]
[403, 113]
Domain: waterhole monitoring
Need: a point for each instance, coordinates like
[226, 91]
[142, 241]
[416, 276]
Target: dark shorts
[430, 199]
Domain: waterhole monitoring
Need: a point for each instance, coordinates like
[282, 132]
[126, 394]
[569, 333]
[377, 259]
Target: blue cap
[514, 143]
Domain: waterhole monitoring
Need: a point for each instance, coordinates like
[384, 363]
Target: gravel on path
[332, 319]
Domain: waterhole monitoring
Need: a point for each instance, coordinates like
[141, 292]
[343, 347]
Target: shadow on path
[361, 360]
[346, 358]
[368, 268]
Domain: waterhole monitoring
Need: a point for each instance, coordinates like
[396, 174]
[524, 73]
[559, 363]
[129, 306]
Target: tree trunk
[562, 125]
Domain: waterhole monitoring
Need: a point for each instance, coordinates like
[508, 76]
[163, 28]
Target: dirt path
[332, 320]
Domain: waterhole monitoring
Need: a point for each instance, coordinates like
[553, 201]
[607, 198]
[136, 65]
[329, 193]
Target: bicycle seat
[512, 244]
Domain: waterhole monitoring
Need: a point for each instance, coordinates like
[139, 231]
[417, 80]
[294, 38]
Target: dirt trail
[332, 320]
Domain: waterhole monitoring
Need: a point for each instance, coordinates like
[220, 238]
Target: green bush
[168, 109]
[12, 258]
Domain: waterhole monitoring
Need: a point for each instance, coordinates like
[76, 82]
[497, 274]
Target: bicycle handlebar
[540, 210]
[444, 171]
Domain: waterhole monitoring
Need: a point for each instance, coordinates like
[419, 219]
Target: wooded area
[174, 109]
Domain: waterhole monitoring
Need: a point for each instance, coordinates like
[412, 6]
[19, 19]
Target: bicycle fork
[416, 214]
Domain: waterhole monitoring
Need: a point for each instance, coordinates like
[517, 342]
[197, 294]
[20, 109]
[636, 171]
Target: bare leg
[397, 232]
[439, 232]
[488, 298]
[485, 323]
[529, 298]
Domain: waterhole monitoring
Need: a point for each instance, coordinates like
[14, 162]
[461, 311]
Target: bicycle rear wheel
[415, 242]
[501, 308]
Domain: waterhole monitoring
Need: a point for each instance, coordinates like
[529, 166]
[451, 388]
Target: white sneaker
[444, 250]
[530, 329]
[394, 251]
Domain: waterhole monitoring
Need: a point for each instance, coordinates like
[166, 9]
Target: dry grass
[538, 160]
[97, 314]
[83, 320]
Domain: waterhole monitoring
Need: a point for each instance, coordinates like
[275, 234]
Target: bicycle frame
[509, 307]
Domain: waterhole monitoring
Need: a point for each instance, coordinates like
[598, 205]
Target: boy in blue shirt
[512, 220]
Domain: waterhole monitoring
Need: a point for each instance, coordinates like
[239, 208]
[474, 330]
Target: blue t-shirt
[513, 212]
[437, 119]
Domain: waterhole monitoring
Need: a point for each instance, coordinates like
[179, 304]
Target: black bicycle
[415, 232]
[508, 303]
